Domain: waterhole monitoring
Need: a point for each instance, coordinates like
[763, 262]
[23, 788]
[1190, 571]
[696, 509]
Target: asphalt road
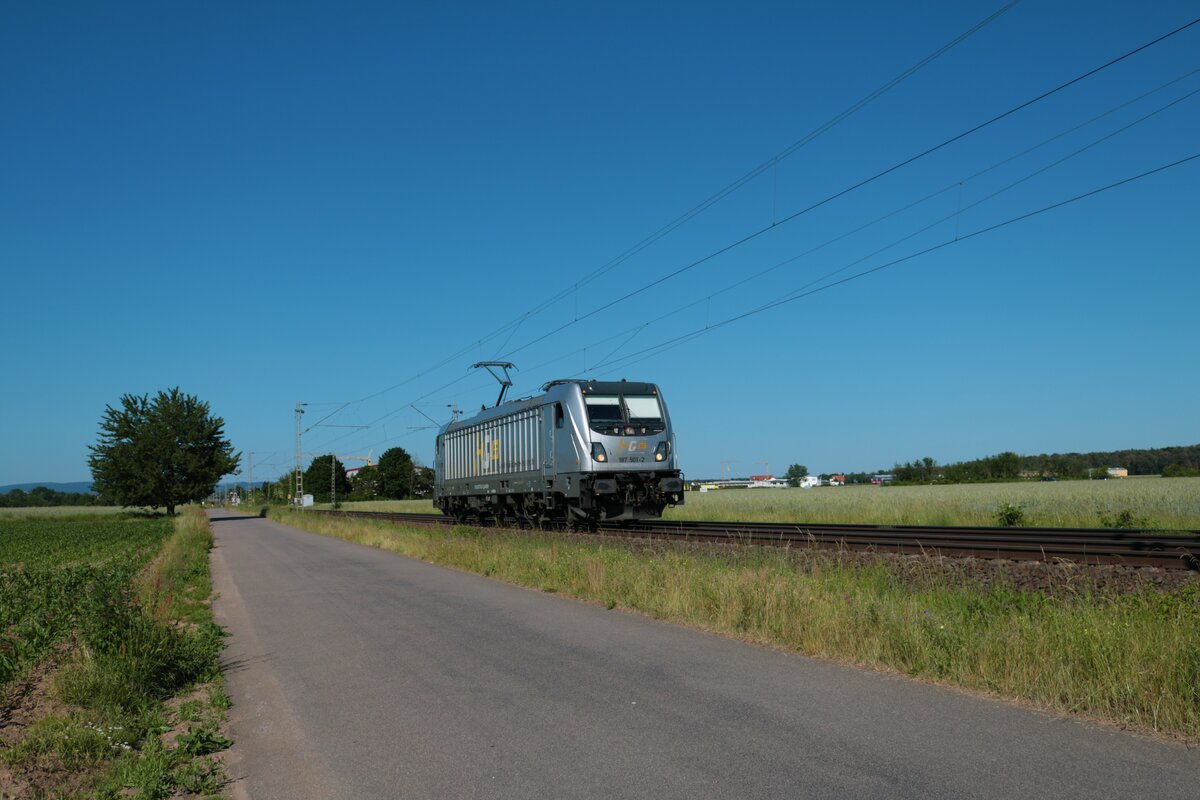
[357, 673]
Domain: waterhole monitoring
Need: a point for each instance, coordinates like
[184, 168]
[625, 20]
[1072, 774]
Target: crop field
[1130, 502]
[54, 570]
[1137, 502]
[60, 511]
[103, 618]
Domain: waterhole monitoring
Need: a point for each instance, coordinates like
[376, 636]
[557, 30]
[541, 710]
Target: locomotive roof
[613, 387]
[586, 387]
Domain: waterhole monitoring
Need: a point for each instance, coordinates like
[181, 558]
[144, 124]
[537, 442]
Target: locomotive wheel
[578, 524]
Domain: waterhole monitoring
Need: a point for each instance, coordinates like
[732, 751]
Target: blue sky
[271, 203]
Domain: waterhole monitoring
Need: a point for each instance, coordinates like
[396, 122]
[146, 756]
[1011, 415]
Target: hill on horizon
[80, 487]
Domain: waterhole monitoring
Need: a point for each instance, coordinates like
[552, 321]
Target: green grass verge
[133, 641]
[1131, 659]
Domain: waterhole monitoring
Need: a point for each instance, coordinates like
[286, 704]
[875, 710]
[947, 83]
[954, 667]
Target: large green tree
[422, 481]
[320, 473]
[796, 473]
[160, 452]
[367, 484]
[395, 474]
[284, 488]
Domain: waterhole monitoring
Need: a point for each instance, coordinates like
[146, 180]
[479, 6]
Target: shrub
[1010, 515]
[1125, 518]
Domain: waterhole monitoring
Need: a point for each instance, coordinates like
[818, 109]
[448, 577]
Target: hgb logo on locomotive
[487, 451]
[633, 446]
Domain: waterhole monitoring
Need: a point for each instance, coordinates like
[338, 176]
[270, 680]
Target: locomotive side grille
[496, 447]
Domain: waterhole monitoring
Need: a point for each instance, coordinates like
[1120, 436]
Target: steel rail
[1142, 548]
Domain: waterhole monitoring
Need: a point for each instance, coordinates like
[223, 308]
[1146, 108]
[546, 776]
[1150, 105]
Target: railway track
[1168, 550]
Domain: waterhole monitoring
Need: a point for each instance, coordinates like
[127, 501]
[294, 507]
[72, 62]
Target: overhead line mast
[298, 498]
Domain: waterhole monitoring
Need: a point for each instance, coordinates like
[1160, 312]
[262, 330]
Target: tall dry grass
[1154, 502]
[1151, 501]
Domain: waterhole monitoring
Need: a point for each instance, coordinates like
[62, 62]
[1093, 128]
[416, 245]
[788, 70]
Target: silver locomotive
[579, 453]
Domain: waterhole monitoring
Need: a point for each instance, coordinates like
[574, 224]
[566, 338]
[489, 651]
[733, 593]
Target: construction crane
[366, 458]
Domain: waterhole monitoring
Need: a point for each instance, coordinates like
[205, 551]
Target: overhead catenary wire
[773, 162]
[629, 334]
[713, 199]
[791, 217]
[958, 183]
[696, 333]
[662, 347]
[843, 192]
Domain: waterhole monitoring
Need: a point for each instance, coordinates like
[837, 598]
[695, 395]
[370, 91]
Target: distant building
[837, 480]
[767, 482]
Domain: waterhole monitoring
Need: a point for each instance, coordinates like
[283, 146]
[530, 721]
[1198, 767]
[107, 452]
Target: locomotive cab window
[604, 408]
[558, 415]
[643, 409]
[625, 414]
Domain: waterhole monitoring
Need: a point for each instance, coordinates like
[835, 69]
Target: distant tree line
[852, 478]
[1138, 462]
[41, 497]
[395, 477]
[1008, 466]
[1000, 467]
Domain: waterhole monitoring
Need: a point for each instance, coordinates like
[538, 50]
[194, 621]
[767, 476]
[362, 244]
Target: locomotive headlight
[599, 453]
[629, 430]
[662, 451]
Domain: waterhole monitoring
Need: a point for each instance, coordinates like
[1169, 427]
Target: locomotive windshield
[643, 409]
[604, 408]
[635, 409]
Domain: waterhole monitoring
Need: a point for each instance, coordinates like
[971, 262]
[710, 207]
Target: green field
[1147, 502]
[54, 569]
[61, 511]
[1151, 502]
[107, 615]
